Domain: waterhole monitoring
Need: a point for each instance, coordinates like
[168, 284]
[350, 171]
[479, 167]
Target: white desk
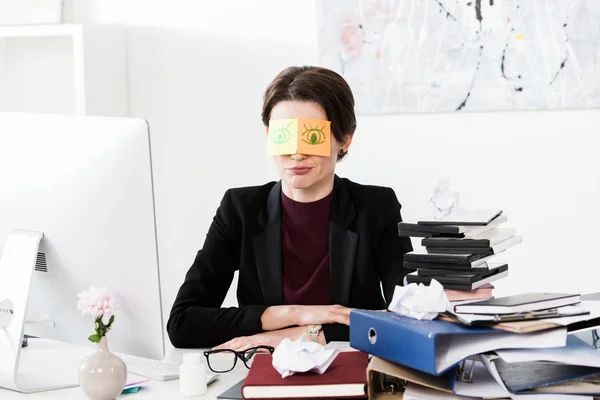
[156, 390]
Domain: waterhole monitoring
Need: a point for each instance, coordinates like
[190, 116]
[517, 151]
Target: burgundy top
[305, 246]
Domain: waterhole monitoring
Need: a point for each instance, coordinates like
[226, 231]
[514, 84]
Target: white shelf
[64, 68]
[40, 30]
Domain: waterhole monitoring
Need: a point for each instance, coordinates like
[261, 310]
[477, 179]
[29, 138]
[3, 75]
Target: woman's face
[300, 171]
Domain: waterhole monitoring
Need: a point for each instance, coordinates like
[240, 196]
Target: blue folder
[407, 341]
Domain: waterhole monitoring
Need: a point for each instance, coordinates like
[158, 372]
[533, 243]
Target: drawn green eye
[313, 136]
[281, 134]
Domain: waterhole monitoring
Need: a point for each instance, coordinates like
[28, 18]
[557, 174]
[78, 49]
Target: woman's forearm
[272, 338]
[279, 317]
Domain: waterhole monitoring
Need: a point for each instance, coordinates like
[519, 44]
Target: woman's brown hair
[319, 85]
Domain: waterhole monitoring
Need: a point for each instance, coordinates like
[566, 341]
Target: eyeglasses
[221, 361]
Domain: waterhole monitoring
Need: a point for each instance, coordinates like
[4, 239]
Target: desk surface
[154, 391]
[170, 389]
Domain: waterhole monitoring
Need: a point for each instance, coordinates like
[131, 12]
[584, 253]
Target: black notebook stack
[458, 249]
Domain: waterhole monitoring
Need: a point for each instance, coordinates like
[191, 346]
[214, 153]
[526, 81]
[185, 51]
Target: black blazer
[245, 235]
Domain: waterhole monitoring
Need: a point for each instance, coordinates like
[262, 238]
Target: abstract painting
[454, 55]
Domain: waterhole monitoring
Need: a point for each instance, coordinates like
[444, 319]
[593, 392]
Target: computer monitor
[85, 184]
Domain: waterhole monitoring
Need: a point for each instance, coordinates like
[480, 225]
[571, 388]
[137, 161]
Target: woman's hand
[272, 339]
[277, 317]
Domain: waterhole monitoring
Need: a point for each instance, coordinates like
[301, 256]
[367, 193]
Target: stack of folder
[442, 359]
[457, 250]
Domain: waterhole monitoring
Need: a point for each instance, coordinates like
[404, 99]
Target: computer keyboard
[155, 369]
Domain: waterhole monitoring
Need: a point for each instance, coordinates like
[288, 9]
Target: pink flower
[96, 302]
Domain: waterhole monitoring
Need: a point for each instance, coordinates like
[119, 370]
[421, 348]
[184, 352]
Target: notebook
[485, 267]
[486, 239]
[485, 251]
[233, 393]
[471, 217]
[494, 249]
[346, 377]
[518, 303]
[422, 256]
[524, 376]
[462, 276]
[471, 282]
[484, 292]
[442, 265]
[414, 229]
[407, 233]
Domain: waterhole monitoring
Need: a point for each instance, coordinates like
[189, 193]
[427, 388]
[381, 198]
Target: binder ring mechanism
[462, 374]
[389, 384]
[372, 336]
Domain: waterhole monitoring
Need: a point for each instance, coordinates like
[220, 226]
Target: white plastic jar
[192, 375]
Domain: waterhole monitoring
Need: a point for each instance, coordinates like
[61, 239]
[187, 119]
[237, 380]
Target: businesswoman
[308, 248]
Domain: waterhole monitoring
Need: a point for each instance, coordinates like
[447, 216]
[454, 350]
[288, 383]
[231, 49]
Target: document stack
[457, 252]
[522, 345]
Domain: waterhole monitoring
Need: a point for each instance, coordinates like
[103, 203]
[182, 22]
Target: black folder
[443, 272]
[461, 282]
[439, 266]
[462, 259]
[486, 251]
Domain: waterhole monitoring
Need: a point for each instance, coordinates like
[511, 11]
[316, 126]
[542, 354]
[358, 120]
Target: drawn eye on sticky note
[314, 137]
[282, 136]
[302, 135]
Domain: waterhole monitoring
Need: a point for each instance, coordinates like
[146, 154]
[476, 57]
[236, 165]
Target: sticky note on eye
[301, 135]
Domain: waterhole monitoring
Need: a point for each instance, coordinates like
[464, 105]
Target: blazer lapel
[343, 244]
[268, 249]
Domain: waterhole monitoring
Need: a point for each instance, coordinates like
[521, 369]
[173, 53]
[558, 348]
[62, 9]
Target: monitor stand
[16, 271]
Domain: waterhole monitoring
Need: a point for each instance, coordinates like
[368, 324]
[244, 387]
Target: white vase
[102, 375]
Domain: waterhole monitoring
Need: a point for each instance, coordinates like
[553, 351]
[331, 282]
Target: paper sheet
[483, 384]
[452, 349]
[419, 301]
[576, 352]
[302, 355]
[418, 392]
[340, 346]
[592, 306]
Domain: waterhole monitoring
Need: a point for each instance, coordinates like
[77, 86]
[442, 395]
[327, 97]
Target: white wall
[541, 168]
[22, 77]
[292, 21]
[197, 71]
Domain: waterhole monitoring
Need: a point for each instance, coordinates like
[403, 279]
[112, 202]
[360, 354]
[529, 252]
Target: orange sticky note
[314, 137]
[302, 135]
